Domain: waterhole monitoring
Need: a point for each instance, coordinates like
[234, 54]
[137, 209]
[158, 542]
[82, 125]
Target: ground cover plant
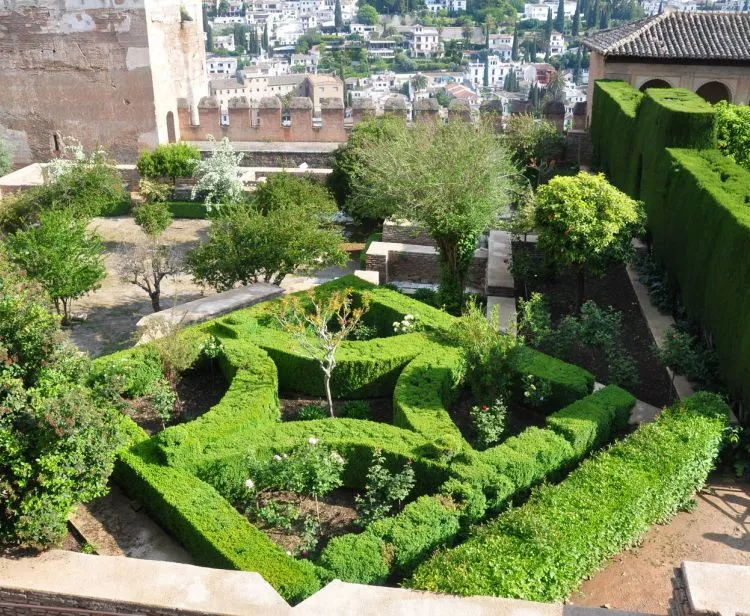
[420, 483]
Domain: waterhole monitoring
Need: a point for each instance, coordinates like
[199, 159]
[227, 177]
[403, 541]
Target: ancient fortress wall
[102, 71]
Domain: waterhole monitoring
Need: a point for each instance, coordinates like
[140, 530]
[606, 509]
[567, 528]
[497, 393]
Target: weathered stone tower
[105, 72]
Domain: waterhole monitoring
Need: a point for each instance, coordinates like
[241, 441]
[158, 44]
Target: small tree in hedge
[319, 325]
[62, 255]
[174, 160]
[585, 220]
[452, 178]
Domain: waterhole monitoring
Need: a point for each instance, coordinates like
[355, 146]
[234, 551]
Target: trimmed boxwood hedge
[486, 480]
[542, 550]
[184, 473]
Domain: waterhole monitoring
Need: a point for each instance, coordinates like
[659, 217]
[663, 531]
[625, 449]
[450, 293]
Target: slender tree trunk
[581, 280]
[155, 296]
[66, 311]
[327, 379]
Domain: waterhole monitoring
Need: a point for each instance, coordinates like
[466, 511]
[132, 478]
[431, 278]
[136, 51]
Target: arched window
[714, 91]
[171, 135]
[654, 83]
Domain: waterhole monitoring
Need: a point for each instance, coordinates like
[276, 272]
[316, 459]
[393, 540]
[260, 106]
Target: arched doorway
[171, 136]
[714, 91]
[654, 83]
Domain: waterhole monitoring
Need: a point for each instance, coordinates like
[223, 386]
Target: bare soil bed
[640, 580]
[612, 289]
[381, 409]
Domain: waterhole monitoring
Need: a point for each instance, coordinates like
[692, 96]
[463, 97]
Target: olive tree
[454, 179]
[146, 265]
[584, 220]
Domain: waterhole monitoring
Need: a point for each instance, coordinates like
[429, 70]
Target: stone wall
[102, 71]
[404, 232]
[262, 121]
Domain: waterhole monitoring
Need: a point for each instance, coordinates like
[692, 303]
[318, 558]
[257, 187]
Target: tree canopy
[286, 228]
[368, 14]
[452, 178]
[174, 160]
[57, 441]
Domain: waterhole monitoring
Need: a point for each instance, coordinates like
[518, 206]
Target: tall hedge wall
[614, 113]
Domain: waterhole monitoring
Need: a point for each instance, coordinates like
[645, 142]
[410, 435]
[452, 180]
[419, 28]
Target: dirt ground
[641, 579]
[109, 314]
[107, 317]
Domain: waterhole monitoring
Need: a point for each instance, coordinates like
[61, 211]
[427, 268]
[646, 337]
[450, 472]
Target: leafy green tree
[174, 160]
[555, 91]
[514, 48]
[266, 46]
[534, 145]
[286, 228]
[560, 17]
[83, 184]
[576, 22]
[348, 162]
[368, 14]
[454, 179]
[6, 161]
[57, 443]
[219, 176]
[419, 82]
[61, 255]
[548, 28]
[584, 220]
[153, 217]
[733, 132]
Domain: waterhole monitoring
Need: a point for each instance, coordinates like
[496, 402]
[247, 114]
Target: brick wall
[34, 603]
[420, 267]
[401, 233]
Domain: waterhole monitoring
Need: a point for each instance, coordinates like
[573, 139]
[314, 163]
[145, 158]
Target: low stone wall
[58, 583]
[418, 263]
[405, 232]
[159, 323]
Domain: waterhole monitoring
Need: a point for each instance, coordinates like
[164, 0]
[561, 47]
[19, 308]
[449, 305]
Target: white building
[384, 49]
[539, 11]
[216, 65]
[424, 42]
[500, 40]
[307, 60]
[224, 42]
[364, 30]
[452, 6]
[497, 72]
[556, 44]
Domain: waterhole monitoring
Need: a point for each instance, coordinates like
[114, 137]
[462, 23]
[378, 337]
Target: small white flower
[312, 440]
[249, 484]
[288, 553]
[336, 457]
[277, 457]
[396, 324]
[409, 317]
[284, 456]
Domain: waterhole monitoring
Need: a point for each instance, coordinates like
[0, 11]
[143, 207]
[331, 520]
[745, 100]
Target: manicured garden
[303, 501]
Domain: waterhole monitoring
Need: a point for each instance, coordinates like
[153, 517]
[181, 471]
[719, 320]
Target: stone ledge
[714, 588]
[77, 579]
[206, 308]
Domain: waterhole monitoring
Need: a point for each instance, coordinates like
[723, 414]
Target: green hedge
[425, 389]
[542, 550]
[568, 382]
[212, 531]
[361, 559]
[706, 210]
[614, 113]
[120, 208]
[592, 421]
[187, 209]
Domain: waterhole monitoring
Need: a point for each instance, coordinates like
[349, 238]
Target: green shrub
[310, 412]
[173, 160]
[360, 559]
[356, 409]
[422, 526]
[733, 132]
[592, 421]
[542, 550]
[187, 209]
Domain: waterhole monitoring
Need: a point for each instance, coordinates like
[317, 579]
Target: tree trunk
[66, 313]
[327, 379]
[581, 279]
[155, 305]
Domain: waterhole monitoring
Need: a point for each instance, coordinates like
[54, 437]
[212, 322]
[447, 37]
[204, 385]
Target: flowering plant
[535, 390]
[489, 423]
[407, 325]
